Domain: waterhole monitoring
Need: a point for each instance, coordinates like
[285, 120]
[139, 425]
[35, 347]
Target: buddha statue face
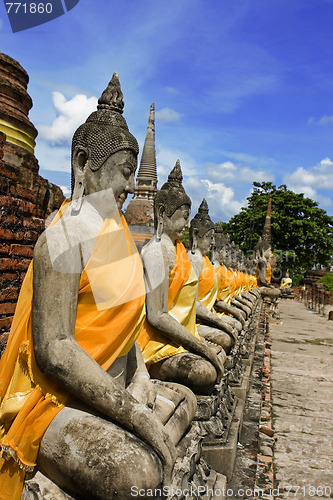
[175, 225]
[267, 253]
[104, 154]
[172, 207]
[116, 174]
[222, 255]
[202, 230]
[206, 242]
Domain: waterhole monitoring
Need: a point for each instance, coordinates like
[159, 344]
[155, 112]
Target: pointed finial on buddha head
[112, 97]
[176, 175]
[203, 209]
[105, 131]
[201, 224]
[172, 194]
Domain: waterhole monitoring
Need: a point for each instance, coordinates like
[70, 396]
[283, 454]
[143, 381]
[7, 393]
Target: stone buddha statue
[264, 257]
[211, 326]
[222, 259]
[170, 343]
[76, 396]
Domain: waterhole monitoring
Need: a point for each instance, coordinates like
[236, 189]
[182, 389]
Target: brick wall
[26, 199]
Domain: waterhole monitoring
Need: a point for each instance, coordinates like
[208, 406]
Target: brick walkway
[302, 399]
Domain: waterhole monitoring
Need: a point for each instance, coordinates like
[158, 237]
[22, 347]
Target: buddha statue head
[172, 207]
[104, 152]
[266, 248]
[221, 245]
[202, 230]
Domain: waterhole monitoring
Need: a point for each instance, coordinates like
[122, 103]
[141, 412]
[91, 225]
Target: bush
[328, 282]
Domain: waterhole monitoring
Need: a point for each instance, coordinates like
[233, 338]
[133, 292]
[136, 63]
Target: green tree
[302, 233]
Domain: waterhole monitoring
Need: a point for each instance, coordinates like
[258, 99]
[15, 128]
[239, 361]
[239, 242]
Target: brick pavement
[302, 400]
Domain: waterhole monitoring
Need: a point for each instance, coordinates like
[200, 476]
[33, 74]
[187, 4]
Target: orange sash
[207, 278]
[29, 400]
[269, 272]
[223, 283]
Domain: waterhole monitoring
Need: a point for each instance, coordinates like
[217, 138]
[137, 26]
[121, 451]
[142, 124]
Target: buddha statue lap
[76, 397]
[169, 341]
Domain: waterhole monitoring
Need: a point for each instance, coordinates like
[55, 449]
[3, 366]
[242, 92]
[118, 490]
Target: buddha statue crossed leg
[74, 388]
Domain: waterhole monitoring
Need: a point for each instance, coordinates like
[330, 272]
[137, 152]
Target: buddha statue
[76, 397]
[221, 257]
[211, 326]
[264, 269]
[170, 343]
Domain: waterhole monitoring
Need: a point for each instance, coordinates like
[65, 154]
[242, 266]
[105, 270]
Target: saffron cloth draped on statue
[207, 284]
[104, 328]
[223, 284]
[269, 272]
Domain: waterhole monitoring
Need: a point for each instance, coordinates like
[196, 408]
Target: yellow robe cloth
[105, 330]
[207, 284]
[183, 287]
[269, 272]
[238, 283]
[223, 284]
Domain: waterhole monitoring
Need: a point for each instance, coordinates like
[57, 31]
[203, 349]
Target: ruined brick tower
[26, 199]
[140, 211]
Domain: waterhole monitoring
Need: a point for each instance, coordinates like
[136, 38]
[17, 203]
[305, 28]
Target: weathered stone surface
[302, 389]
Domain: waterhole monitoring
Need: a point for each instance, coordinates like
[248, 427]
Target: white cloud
[71, 113]
[313, 181]
[230, 171]
[220, 198]
[167, 158]
[320, 176]
[161, 171]
[167, 115]
[56, 158]
[66, 190]
[224, 186]
[324, 120]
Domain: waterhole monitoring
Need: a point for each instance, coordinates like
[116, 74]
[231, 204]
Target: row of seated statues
[109, 349]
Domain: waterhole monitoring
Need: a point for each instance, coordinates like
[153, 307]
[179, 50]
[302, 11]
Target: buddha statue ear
[194, 245]
[160, 224]
[80, 164]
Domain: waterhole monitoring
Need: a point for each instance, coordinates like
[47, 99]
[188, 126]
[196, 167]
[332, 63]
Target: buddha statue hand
[143, 390]
[216, 355]
[151, 430]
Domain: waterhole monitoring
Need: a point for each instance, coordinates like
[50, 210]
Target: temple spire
[147, 171]
[140, 211]
[266, 234]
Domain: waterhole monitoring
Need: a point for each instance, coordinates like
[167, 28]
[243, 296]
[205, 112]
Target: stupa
[140, 211]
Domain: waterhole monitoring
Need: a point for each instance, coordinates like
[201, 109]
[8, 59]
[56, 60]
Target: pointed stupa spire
[147, 170]
[140, 211]
[266, 234]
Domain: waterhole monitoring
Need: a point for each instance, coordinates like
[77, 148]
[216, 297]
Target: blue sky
[242, 89]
